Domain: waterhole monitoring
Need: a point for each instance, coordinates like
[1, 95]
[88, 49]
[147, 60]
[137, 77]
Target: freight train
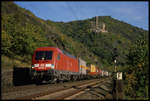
[50, 64]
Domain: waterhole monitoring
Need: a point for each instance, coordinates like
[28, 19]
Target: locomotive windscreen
[43, 55]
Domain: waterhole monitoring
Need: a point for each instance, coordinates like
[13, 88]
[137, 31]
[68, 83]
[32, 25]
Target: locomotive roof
[66, 53]
[49, 48]
[55, 48]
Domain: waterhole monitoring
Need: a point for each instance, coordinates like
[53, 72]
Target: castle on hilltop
[96, 27]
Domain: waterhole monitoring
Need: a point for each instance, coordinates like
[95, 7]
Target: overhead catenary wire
[72, 10]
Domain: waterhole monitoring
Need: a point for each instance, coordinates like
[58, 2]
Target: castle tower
[95, 27]
[103, 26]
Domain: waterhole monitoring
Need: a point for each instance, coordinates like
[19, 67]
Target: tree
[137, 75]
[6, 43]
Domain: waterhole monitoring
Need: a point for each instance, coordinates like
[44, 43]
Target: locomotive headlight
[53, 66]
[47, 65]
[36, 65]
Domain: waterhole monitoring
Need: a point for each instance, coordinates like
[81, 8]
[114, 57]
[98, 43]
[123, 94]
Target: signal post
[117, 80]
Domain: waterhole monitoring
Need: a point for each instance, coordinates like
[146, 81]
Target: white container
[82, 66]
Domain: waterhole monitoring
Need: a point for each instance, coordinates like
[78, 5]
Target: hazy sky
[134, 13]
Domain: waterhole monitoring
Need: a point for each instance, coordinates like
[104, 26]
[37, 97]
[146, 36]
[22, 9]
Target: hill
[23, 32]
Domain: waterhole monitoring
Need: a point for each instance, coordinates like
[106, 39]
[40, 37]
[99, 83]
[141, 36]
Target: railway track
[64, 93]
[18, 88]
[80, 91]
[20, 91]
[101, 91]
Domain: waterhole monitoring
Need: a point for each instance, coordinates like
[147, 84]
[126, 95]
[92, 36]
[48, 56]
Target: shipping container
[82, 66]
[93, 68]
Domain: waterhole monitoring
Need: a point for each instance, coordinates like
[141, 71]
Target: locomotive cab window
[43, 55]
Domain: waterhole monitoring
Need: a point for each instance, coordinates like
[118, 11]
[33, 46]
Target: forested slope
[23, 32]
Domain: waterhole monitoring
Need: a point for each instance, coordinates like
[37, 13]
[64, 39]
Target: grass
[8, 63]
[129, 98]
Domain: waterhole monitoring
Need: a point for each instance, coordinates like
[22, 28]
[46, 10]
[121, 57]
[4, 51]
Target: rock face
[7, 79]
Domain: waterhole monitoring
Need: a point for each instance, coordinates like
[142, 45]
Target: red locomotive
[51, 64]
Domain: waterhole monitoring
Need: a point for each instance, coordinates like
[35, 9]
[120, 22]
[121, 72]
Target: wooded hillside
[23, 32]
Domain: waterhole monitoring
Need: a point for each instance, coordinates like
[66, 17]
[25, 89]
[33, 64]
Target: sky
[134, 13]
